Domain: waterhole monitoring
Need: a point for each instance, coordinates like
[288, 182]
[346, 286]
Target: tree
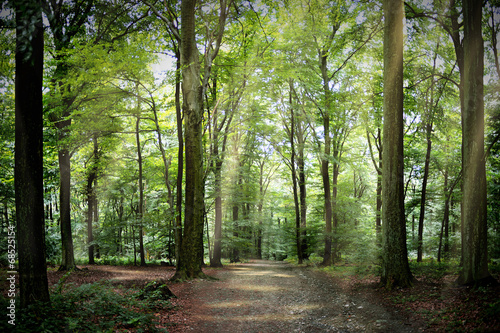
[191, 250]
[29, 153]
[65, 23]
[395, 268]
[474, 204]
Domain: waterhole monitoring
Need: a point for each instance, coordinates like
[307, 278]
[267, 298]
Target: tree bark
[325, 175]
[474, 208]
[140, 206]
[395, 268]
[424, 193]
[180, 160]
[29, 154]
[298, 235]
[302, 196]
[191, 254]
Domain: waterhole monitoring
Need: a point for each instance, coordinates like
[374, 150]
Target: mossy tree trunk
[191, 250]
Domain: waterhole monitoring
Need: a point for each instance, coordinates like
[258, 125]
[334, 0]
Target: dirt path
[266, 296]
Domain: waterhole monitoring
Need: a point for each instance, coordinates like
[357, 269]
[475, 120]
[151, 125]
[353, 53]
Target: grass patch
[433, 270]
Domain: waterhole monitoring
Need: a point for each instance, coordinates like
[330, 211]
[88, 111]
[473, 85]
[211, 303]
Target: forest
[195, 137]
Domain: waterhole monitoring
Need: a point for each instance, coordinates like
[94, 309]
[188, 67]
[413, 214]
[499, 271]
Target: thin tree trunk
[68, 257]
[325, 174]
[424, 193]
[140, 209]
[90, 216]
[294, 180]
[303, 201]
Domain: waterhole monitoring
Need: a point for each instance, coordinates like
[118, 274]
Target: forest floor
[269, 296]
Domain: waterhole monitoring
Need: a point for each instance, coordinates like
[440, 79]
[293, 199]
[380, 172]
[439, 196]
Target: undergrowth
[96, 307]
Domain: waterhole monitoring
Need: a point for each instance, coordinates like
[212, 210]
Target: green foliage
[97, 307]
[433, 269]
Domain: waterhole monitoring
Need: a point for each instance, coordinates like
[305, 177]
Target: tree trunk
[325, 175]
[294, 180]
[303, 200]
[68, 257]
[180, 160]
[335, 219]
[395, 268]
[140, 207]
[217, 253]
[474, 208]
[90, 216]
[446, 218]
[235, 250]
[424, 192]
[191, 255]
[29, 155]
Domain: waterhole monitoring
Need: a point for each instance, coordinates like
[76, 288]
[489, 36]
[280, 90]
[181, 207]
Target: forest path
[268, 296]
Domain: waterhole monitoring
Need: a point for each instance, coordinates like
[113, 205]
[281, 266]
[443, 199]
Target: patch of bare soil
[128, 276]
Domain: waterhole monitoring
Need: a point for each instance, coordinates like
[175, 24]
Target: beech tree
[191, 250]
[29, 153]
[395, 268]
[474, 209]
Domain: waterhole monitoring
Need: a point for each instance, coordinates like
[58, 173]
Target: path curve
[267, 296]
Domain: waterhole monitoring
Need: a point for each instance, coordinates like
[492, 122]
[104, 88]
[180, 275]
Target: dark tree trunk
[474, 208]
[29, 154]
[217, 254]
[303, 201]
[294, 180]
[140, 207]
[424, 193]
[325, 175]
[395, 269]
[335, 218]
[446, 217]
[68, 257]
[90, 216]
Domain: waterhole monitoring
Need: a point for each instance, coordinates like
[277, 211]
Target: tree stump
[156, 289]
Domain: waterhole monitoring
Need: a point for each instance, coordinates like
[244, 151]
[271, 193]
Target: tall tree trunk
[446, 217]
[28, 180]
[90, 216]
[68, 257]
[474, 208]
[424, 192]
[395, 269]
[217, 253]
[140, 207]
[325, 175]
[335, 218]
[191, 254]
[303, 199]
[294, 179]
[180, 159]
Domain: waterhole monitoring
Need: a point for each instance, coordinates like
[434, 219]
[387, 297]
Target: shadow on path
[266, 296]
